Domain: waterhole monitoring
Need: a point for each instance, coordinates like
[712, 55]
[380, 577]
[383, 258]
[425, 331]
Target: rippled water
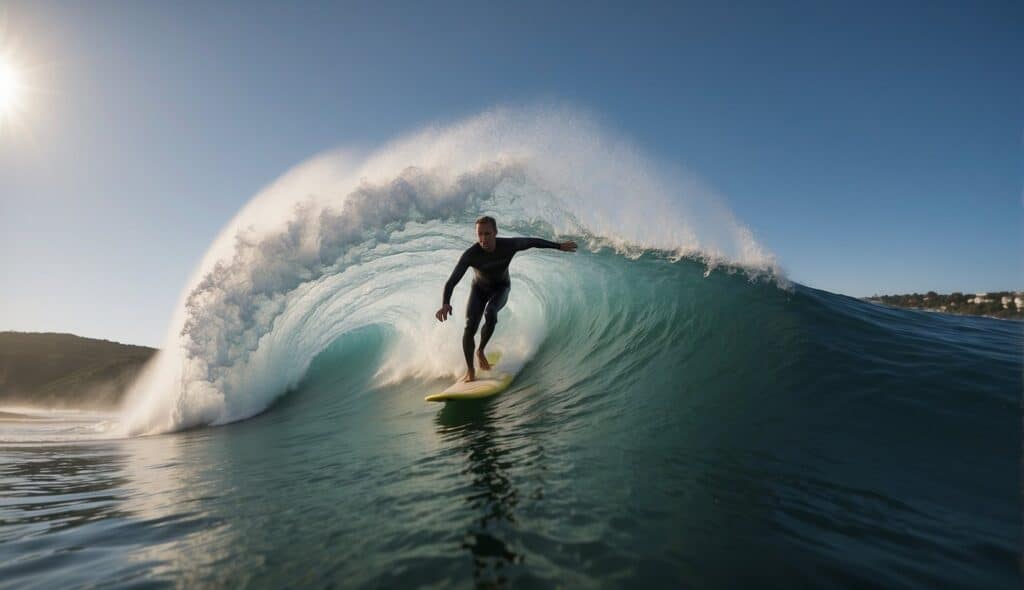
[741, 436]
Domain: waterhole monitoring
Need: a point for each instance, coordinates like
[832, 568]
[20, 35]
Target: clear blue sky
[873, 147]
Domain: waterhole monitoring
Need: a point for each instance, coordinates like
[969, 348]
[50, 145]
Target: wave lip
[348, 240]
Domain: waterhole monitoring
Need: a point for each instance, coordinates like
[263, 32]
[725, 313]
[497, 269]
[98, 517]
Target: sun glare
[10, 87]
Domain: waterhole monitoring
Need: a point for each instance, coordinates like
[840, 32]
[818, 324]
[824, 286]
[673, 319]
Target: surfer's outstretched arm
[446, 302]
[527, 243]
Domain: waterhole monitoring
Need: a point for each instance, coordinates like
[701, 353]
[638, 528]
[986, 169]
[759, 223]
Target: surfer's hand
[443, 313]
[567, 246]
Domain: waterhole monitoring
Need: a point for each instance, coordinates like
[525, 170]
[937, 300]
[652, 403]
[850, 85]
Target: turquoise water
[669, 429]
[683, 416]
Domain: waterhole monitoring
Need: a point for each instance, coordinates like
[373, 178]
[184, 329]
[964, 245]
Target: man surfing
[489, 257]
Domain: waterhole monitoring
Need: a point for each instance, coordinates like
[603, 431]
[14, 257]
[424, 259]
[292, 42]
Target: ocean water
[683, 416]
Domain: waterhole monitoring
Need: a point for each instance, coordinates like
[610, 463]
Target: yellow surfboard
[487, 383]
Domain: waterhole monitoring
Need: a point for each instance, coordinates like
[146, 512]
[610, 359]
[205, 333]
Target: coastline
[1000, 305]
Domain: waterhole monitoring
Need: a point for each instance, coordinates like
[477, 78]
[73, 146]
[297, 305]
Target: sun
[10, 88]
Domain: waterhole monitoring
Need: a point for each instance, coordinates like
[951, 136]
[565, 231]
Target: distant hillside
[1000, 304]
[66, 371]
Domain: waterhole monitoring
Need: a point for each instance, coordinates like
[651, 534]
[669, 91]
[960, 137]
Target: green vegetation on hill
[1001, 304]
[66, 371]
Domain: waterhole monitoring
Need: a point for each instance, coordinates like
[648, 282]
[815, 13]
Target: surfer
[489, 257]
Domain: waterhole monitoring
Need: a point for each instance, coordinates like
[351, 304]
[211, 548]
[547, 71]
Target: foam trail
[349, 240]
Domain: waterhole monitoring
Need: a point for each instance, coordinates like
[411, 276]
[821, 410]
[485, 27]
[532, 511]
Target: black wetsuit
[490, 285]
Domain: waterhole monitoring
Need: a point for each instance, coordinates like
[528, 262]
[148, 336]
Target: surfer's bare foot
[469, 376]
[482, 361]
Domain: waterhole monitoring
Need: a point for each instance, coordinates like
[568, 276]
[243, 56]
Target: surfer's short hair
[488, 219]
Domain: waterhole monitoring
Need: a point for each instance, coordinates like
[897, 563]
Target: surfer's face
[485, 234]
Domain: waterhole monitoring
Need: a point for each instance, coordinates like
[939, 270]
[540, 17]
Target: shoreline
[947, 312]
[998, 305]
